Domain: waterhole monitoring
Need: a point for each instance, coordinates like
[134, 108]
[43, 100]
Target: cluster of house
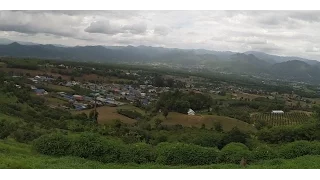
[38, 79]
[80, 102]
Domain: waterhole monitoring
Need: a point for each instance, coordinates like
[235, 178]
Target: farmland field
[291, 118]
[209, 120]
[246, 96]
[108, 114]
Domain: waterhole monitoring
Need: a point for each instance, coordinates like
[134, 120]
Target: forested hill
[252, 63]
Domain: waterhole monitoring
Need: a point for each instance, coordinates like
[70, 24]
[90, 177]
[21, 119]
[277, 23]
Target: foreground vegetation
[34, 135]
[15, 155]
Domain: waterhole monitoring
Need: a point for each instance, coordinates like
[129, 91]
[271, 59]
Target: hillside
[249, 63]
[296, 70]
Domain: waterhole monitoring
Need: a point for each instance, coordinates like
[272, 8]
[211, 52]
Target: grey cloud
[61, 25]
[162, 30]
[293, 33]
[103, 27]
[313, 49]
[135, 28]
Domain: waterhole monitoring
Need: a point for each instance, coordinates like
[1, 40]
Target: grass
[54, 101]
[6, 99]
[59, 88]
[15, 155]
[11, 118]
[227, 123]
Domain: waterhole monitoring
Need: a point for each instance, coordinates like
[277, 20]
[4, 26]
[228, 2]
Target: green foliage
[138, 153]
[235, 135]
[88, 146]
[26, 134]
[6, 128]
[296, 149]
[234, 152]
[181, 102]
[179, 153]
[52, 144]
[165, 112]
[93, 115]
[218, 127]
[264, 152]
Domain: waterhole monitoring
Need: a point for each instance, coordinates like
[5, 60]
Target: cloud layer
[291, 33]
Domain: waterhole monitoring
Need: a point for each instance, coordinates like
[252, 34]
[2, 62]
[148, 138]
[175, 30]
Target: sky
[287, 33]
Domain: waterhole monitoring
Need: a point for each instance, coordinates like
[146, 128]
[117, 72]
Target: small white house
[277, 112]
[191, 112]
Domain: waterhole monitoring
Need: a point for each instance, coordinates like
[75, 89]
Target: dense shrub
[92, 146]
[87, 146]
[264, 152]
[235, 135]
[138, 153]
[179, 153]
[52, 144]
[25, 135]
[6, 128]
[233, 153]
[296, 149]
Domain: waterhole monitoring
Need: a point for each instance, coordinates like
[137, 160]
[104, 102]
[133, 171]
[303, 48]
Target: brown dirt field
[246, 95]
[209, 120]
[108, 114]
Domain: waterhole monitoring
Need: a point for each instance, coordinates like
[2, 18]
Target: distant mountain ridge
[251, 62]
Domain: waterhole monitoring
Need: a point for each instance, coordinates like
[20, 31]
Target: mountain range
[250, 63]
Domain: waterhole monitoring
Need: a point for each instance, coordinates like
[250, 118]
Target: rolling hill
[250, 63]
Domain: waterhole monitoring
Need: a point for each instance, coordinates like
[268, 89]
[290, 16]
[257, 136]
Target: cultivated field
[185, 120]
[291, 118]
[246, 96]
[108, 114]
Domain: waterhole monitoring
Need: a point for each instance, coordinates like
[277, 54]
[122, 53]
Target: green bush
[263, 152]
[6, 128]
[296, 149]
[87, 145]
[315, 148]
[93, 146]
[138, 153]
[25, 135]
[189, 154]
[52, 144]
[234, 152]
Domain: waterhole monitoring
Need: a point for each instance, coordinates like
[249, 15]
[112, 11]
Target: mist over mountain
[251, 62]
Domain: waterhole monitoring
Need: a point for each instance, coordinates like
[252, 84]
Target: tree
[157, 122]
[235, 135]
[218, 126]
[93, 115]
[165, 112]
[170, 82]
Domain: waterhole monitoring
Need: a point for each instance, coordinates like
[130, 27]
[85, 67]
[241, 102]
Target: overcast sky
[290, 33]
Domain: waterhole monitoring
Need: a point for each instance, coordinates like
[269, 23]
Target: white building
[191, 112]
[277, 112]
